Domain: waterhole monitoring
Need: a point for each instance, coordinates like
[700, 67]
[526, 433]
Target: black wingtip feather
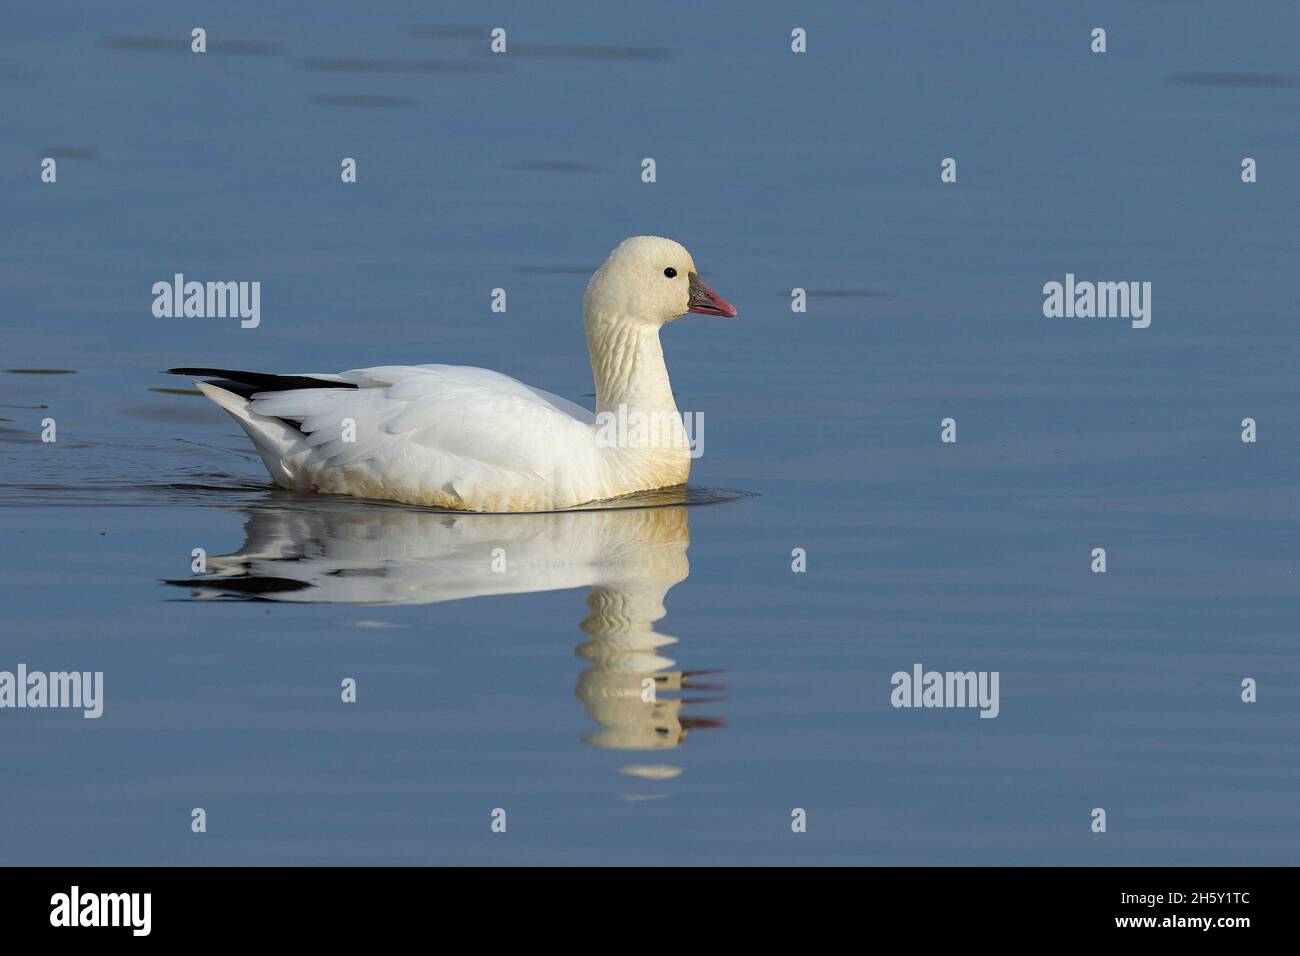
[254, 382]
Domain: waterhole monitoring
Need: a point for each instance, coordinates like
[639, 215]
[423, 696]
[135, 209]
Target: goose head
[648, 280]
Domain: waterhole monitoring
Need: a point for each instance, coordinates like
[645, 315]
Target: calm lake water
[520, 691]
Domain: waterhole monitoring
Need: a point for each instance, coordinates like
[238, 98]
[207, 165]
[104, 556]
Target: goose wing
[472, 433]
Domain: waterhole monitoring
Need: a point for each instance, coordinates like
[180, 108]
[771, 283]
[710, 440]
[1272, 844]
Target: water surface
[520, 689]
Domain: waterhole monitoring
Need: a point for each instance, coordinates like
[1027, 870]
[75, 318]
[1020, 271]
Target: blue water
[478, 691]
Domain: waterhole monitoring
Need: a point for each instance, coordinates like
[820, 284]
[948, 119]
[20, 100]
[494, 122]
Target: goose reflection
[340, 552]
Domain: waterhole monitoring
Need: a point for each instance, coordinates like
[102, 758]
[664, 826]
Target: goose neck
[627, 363]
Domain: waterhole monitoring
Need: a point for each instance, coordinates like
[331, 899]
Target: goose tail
[274, 440]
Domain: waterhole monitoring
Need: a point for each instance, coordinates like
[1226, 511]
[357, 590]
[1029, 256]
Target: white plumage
[474, 439]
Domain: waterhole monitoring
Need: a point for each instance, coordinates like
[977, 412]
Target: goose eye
[670, 272]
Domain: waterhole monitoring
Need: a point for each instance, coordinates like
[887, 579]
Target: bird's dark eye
[670, 272]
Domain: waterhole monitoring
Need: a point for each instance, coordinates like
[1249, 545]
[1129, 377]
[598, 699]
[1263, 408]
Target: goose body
[473, 439]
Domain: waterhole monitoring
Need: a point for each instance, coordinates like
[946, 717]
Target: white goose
[471, 439]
